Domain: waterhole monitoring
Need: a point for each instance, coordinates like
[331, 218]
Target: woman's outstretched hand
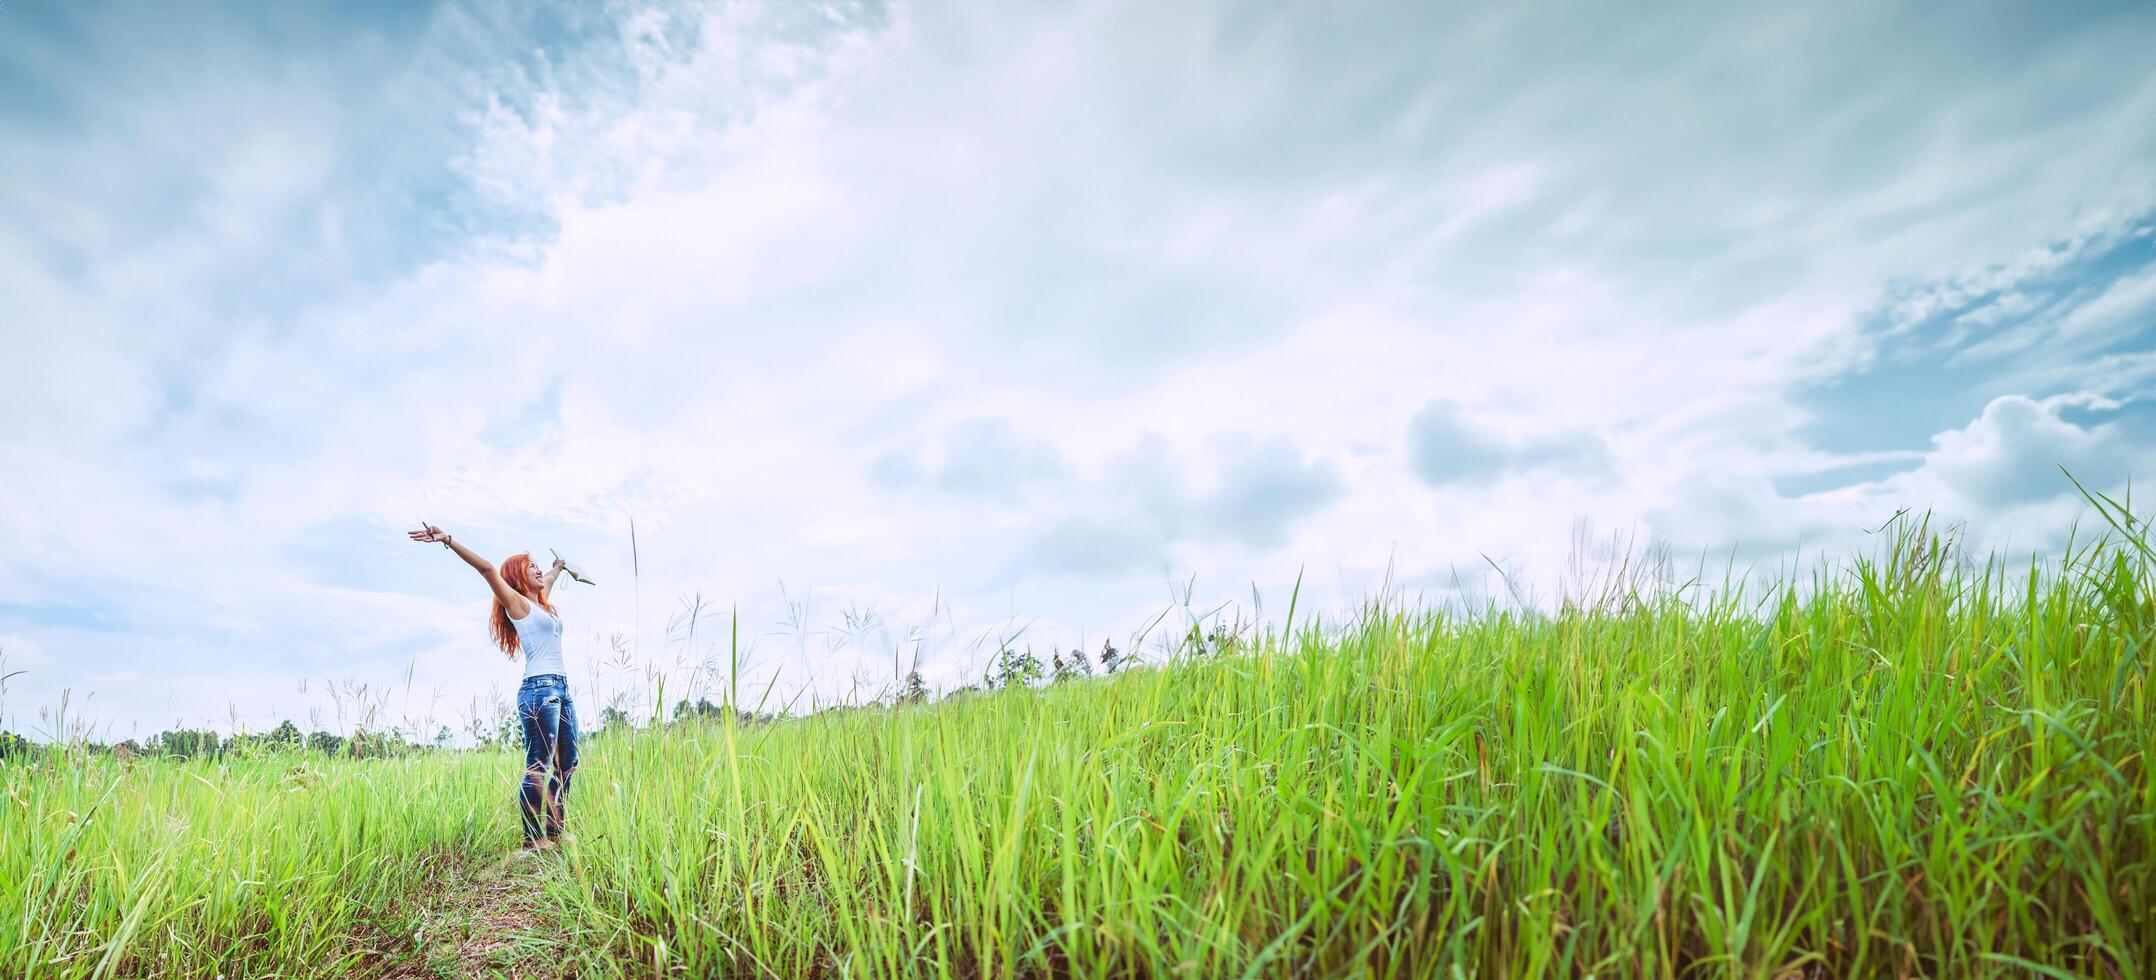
[429, 534]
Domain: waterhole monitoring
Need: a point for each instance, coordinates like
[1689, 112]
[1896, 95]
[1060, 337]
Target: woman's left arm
[546, 586]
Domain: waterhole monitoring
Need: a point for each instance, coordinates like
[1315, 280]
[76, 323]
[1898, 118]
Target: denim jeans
[549, 753]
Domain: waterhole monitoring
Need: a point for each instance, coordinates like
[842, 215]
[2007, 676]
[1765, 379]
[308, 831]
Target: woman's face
[537, 574]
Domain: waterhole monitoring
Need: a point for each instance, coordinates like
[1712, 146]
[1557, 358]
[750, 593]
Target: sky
[899, 331]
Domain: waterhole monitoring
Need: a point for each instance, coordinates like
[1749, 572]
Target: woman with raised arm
[524, 620]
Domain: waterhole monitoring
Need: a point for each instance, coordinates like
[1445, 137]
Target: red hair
[517, 571]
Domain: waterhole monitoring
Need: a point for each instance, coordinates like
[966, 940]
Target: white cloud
[2125, 305]
[1139, 506]
[1446, 446]
[2013, 453]
[983, 458]
[976, 315]
[23, 653]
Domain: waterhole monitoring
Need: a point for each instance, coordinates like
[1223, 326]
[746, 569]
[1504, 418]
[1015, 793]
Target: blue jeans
[549, 753]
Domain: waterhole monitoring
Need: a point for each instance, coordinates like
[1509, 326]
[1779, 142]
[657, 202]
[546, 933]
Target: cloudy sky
[902, 328]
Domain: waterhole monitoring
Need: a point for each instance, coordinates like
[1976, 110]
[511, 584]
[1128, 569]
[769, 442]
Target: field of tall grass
[1913, 762]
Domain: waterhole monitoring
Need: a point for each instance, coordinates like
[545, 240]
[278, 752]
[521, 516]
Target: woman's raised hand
[429, 534]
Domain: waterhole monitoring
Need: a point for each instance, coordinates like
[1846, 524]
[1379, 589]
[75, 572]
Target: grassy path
[483, 919]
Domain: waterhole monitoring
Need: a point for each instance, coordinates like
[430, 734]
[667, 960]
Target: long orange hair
[517, 571]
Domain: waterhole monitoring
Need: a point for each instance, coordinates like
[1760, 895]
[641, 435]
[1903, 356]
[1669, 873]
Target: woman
[524, 619]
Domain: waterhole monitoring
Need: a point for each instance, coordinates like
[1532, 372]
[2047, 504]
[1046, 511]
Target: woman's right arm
[516, 604]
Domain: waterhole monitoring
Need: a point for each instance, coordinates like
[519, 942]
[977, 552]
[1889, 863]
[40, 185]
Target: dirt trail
[478, 922]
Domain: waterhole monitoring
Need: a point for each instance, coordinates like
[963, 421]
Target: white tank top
[539, 636]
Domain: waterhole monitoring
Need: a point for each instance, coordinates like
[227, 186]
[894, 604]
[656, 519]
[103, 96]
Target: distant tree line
[203, 743]
[1012, 667]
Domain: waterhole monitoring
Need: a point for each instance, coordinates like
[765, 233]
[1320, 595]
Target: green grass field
[1912, 764]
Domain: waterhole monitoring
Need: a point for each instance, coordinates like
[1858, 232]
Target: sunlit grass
[248, 868]
[1913, 764]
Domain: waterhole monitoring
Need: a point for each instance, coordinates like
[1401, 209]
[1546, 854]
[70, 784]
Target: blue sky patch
[1967, 344]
